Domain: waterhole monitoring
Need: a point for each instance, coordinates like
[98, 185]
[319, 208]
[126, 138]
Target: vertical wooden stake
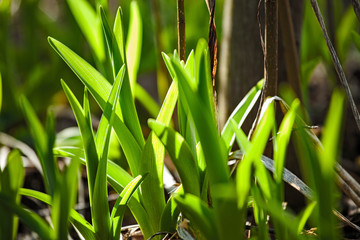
[181, 29]
[271, 49]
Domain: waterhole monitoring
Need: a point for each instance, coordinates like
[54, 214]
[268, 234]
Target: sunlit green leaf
[240, 113]
[134, 42]
[181, 155]
[89, 24]
[129, 134]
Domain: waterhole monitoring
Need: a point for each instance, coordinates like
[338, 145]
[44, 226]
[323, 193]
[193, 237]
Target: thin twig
[348, 191]
[270, 56]
[349, 180]
[356, 6]
[181, 29]
[336, 62]
[212, 43]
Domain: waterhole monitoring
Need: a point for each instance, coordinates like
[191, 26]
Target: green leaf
[133, 43]
[118, 34]
[167, 61]
[129, 134]
[199, 214]
[33, 221]
[305, 215]
[203, 75]
[276, 212]
[253, 152]
[204, 119]
[89, 24]
[118, 211]
[170, 215]
[181, 155]
[260, 139]
[186, 122]
[84, 227]
[112, 46]
[11, 179]
[240, 113]
[86, 135]
[282, 140]
[328, 157]
[153, 163]
[64, 199]
[42, 144]
[118, 179]
[101, 214]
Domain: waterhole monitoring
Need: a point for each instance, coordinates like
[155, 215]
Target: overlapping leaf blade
[89, 24]
[129, 134]
[84, 227]
[118, 211]
[181, 155]
[133, 43]
[64, 199]
[32, 220]
[11, 179]
[240, 113]
[199, 213]
[153, 162]
[204, 120]
[102, 144]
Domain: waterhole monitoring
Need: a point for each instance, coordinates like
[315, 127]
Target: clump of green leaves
[215, 201]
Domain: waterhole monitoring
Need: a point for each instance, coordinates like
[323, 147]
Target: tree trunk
[241, 58]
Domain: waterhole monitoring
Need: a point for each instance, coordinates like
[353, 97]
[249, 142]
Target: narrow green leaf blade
[181, 155]
[282, 140]
[240, 113]
[83, 226]
[11, 179]
[41, 142]
[328, 157]
[153, 162]
[206, 127]
[89, 24]
[118, 33]
[118, 179]
[102, 215]
[64, 199]
[129, 134]
[87, 137]
[33, 221]
[118, 211]
[133, 43]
